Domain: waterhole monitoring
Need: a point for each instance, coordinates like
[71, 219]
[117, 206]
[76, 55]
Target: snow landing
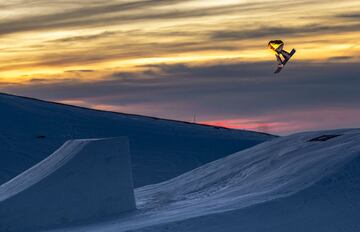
[83, 179]
[277, 186]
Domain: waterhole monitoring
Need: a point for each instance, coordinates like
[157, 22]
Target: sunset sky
[179, 59]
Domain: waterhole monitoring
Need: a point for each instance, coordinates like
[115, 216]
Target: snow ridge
[267, 172]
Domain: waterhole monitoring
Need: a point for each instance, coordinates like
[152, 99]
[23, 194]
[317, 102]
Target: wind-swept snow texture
[83, 179]
[30, 130]
[287, 184]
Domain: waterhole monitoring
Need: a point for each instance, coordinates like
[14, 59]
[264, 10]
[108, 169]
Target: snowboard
[291, 54]
[281, 66]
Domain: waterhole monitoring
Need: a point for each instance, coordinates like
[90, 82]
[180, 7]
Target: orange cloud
[53, 38]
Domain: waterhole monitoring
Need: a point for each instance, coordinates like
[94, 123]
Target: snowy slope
[287, 184]
[82, 180]
[30, 130]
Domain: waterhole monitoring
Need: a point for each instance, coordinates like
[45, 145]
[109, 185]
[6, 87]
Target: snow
[161, 149]
[287, 184]
[82, 180]
[291, 183]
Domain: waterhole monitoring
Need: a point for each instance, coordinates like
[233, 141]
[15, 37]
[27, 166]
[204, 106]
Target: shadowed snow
[270, 171]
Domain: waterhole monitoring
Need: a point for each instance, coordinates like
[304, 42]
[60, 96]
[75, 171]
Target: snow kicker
[83, 179]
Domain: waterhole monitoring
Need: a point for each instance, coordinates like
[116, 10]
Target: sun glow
[46, 43]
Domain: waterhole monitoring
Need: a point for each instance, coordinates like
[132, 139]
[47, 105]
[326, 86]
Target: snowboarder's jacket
[276, 45]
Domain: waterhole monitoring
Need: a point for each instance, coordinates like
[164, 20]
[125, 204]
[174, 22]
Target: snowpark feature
[83, 180]
[31, 130]
[303, 182]
[287, 184]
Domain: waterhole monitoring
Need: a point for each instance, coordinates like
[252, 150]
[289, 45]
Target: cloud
[340, 58]
[119, 13]
[238, 90]
[121, 31]
[281, 31]
[85, 38]
[119, 51]
[354, 15]
[80, 71]
[124, 13]
[75, 17]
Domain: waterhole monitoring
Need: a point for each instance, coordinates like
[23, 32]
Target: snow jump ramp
[82, 180]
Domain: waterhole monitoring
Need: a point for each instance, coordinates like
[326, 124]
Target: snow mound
[83, 179]
[273, 186]
[330, 205]
[161, 149]
[267, 171]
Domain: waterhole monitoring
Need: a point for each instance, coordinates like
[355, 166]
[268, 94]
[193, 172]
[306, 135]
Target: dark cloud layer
[354, 15]
[231, 90]
[280, 31]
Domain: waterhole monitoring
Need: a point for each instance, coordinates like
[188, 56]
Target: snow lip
[84, 179]
[42, 169]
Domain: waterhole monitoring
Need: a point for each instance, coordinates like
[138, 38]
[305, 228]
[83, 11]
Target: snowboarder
[277, 47]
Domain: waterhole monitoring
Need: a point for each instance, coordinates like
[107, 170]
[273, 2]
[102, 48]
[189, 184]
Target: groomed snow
[271, 187]
[31, 130]
[83, 180]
